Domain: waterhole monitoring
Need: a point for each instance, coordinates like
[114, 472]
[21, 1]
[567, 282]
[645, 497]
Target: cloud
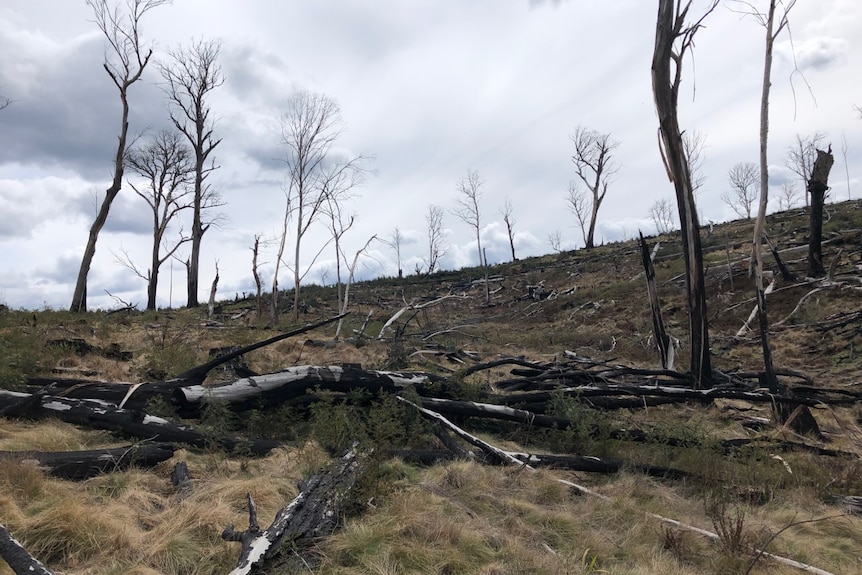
[67, 110]
[29, 204]
[818, 54]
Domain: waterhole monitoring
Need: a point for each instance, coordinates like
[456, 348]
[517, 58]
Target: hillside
[756, 484]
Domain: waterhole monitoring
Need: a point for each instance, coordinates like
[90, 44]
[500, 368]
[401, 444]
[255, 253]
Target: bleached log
[413, 306]
[745, 329]
[275, 388]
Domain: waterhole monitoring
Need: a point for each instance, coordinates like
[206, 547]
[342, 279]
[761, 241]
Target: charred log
[314, 513]
[80, 465]
[18, 558]
[102, 415]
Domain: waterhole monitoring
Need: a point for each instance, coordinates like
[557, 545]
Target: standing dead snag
[125, 66]
[315, 512]
[673, 38]
[817, 187]
[595, 167]
[189, 78]
[662, 339]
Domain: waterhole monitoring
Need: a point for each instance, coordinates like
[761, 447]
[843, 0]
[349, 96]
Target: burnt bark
[102, 415]
[18, 558]
[818, 185]
[315, 512]
[673, 38]
[79, 465]
[663, 341]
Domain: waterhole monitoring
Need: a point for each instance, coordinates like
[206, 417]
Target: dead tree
[595, 167]
[80, 465]
[436, 238]
[506, 211]
[469, 192]
[165, 164]
[189, 78]
[818, 185]
[662, 339]
[743, 180]
[101, 415]
[309, 129]
[773, 29]
[125, 64]
[674, 38]
[661, 213]
[396, 238]
[801, 156]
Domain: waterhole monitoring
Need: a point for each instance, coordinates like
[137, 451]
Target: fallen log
[314, 513]
[569, 462]
[199, 373]
[679, 393]
[275, 388]
[18, 558]
[79, 465]
[113, 392]
[103, 415]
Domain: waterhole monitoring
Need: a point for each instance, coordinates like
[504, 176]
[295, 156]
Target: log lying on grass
[18, 558]
[275, 388]
[314, 513]
[103, 415]
[78, 465]
[131, 395]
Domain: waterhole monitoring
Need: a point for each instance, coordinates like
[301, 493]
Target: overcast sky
[431, 89]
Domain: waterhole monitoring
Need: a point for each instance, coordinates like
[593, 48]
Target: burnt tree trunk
[663, 341]
[13, 553]
[673, 37]
[79, 465]
[102, 415]
[817, 188]
[315, 512]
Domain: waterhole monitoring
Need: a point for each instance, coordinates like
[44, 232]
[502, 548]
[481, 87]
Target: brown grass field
[463, 517]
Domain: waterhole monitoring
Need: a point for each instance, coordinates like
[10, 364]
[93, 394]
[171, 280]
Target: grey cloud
[64, 270]
[130, 214]
[816, 53]
[67, 110]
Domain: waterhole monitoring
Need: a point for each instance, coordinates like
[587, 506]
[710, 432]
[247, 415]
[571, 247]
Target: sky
[428, 90]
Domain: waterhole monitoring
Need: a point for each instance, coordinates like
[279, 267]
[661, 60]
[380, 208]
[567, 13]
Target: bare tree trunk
[756, 254]
[213, 290]
[670, 28]
[124, 70]
[256, 275]
[79, 298]
[663, 341]
[817, 187]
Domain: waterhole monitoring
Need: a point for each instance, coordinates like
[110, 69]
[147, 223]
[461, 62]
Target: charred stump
[817, 187]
